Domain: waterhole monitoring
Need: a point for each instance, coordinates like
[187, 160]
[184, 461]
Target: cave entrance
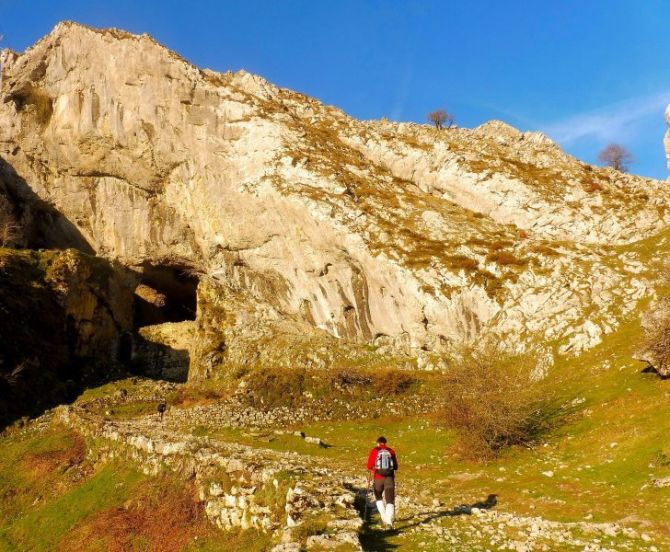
[164, 308]
[166, 293]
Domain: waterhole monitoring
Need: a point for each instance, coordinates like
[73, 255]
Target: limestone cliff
[393, 234]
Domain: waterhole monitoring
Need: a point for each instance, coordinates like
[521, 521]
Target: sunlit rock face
[398, 235]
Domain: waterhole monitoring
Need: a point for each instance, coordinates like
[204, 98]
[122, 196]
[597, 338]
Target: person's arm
[395, 460]
[372, 458]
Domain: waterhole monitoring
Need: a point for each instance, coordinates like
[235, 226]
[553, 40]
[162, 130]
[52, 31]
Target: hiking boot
[390, 515]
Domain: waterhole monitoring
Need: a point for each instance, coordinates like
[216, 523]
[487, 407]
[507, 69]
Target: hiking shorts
[385, 486]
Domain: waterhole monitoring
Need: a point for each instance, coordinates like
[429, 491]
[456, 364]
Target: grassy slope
[53, 500]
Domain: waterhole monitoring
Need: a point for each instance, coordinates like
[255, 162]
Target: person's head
[381, 440]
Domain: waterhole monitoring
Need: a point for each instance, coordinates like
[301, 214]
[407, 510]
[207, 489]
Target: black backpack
[384, 465]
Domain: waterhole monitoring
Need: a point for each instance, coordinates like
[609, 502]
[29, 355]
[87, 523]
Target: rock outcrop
[62, 318]
[398, 235]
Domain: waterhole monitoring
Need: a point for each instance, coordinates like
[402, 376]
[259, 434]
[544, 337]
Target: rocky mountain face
[310, 235]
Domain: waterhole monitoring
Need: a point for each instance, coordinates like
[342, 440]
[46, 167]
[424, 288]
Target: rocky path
[247, 486]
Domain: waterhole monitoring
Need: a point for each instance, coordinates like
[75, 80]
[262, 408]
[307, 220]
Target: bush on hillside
[269, 388]
[273, 387]
[493, 401]
[655, 346]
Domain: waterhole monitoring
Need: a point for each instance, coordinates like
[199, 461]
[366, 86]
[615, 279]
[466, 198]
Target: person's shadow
[460, 510]
[375, 538]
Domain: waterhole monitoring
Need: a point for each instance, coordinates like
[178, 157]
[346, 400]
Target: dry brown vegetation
[544, 249]
[493, 402]
[10, 229]
[655, 346]
[36, 99]
[268, 387]
[70, 452]
[163, 517]
[505, 258]
[464, 262]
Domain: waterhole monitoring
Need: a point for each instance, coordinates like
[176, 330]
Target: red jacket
[373, 458]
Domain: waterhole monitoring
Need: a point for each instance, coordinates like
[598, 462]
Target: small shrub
[440, 117]
[272, 387]
[493, 402]
[616, 156]
[655, 346]
[505, 258]
[390, 382]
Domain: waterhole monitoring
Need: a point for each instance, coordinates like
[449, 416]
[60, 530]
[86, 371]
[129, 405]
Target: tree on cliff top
[439, 117]
[616, 156]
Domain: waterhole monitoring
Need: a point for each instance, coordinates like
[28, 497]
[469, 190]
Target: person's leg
[379, 492]
[389, 495]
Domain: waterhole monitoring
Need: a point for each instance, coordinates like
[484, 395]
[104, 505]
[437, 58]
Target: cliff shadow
[42, 224]
[155, 360]
[42, 361]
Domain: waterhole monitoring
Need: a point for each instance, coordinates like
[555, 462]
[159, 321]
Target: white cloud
[612, 122]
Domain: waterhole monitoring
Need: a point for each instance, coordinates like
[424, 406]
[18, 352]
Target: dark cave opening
[166, 293]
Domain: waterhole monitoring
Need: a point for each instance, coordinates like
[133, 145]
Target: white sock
[390, 513]
[381, 509]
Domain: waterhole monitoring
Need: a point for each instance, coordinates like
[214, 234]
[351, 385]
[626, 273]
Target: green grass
[251, 540]
[44, 509]
[21, 483]
[43, 526]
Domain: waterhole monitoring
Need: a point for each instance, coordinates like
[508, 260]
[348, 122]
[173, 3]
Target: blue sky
[586, 72]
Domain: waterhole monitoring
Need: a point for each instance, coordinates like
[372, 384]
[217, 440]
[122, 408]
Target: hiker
[382, 463]
[162, 407]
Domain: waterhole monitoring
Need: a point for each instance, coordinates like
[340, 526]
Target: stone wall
[240, 486]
